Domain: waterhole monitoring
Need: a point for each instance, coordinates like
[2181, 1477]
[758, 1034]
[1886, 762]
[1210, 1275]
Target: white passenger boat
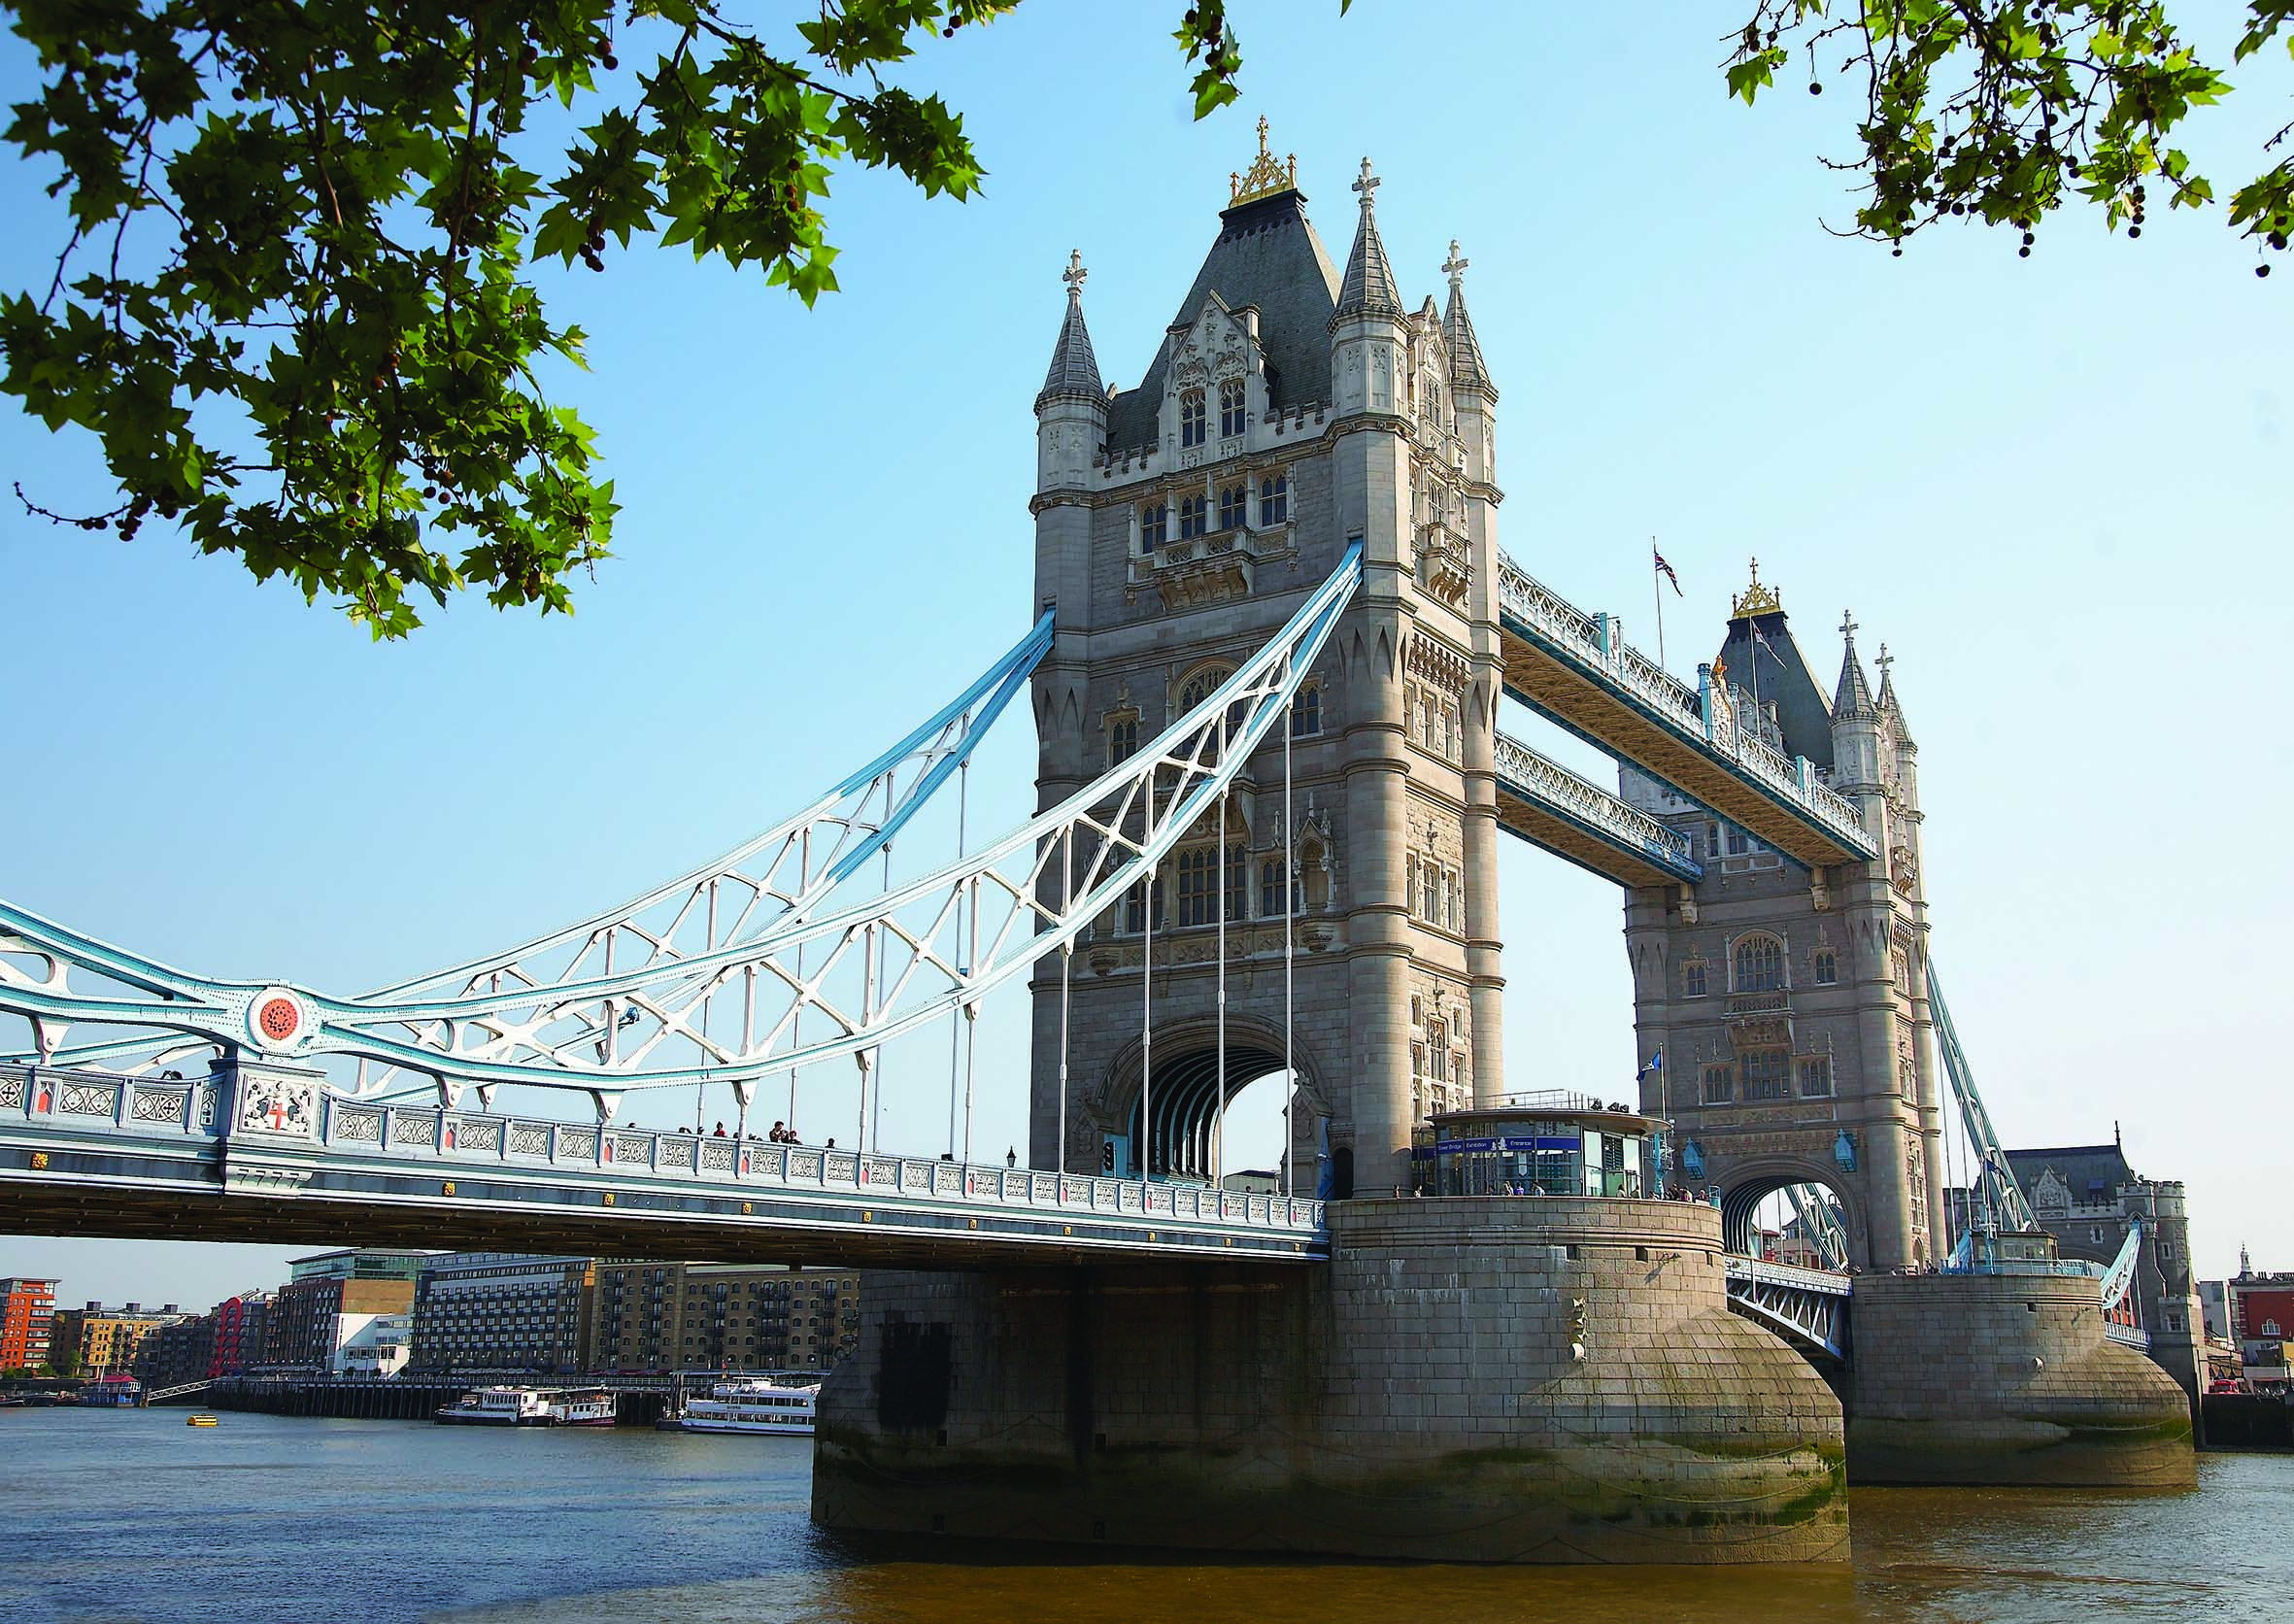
[752, 1406]
[499, 1406]
[532, 1406]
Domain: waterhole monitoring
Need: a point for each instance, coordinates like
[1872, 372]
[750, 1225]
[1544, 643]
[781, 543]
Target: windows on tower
[1194, 517]
[1232, 416]
[1760, 964]
[1233, 507]
[1274, 500]
[1191, 418]
[1828, 968]
[1307, 711]
[1155, 525]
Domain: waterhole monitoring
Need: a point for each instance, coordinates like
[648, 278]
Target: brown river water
[131, 1516]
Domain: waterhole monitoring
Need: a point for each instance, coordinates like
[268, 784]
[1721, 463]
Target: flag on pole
[1665, 569]
[1656, 1063]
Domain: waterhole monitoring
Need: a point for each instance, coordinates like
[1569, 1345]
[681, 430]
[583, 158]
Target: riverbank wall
[1469, 1379]
[400, 1399]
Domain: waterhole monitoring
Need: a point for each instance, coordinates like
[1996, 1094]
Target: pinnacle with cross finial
[1455, 266]
[1848, 624]
[1367, 185]
[1885, 660]
[1073, 276]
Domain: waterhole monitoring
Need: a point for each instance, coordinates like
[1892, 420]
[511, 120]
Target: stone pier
[2007, 1379]
[1484, 1379]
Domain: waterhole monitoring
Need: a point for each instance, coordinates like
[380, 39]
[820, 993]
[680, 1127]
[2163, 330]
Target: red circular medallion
[279, 1018]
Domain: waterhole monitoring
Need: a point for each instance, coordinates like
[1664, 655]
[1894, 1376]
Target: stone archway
[1185, 1097]
[1752, 1186]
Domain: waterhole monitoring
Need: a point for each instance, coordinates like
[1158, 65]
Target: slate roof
[1784, 683]
[1075, 369]
[1368, 288]
[1466, 367]
[2093, 1172]
[1851, 698]
[1268, 255]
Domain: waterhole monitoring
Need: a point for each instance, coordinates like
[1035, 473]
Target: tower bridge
[1275, 637]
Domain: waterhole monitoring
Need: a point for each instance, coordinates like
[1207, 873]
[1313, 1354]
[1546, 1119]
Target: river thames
[132, 1516]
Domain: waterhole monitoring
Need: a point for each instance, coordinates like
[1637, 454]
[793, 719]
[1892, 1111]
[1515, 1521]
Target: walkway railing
[1588, 643]
[185, 1111]
[1539, 779]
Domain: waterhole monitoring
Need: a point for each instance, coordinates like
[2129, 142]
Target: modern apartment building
[27, 1312]
[510, 1311]
[676, 1316]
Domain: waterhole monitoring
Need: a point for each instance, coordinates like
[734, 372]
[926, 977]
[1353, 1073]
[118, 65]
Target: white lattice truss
[740, 968]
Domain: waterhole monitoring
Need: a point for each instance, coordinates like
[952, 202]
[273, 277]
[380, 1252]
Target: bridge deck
[1544, 803]
[84, 1153]
[1570, 667]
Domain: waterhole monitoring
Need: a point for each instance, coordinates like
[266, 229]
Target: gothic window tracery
[1307, 711]
[1155, 525]
[1815, 1076]
[1122, 739]
[1767, 1072]
[1274, 500]
[1759, 965]
[1232, 414]
[1191, 416]
[1233, 507]
[1719, 1087]
[1693, 979]
[1828, 969]
[1194, 517]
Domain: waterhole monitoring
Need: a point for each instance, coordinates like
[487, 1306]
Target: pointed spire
[1075, 369]
[1368, 288]
[1466, 368]
[1852, 699]
[1890, 706]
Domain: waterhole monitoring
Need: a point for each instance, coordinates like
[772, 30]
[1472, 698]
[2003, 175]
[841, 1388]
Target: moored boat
[582, 1406]
[200, 1421]
[757, 1406]
[498, 1407]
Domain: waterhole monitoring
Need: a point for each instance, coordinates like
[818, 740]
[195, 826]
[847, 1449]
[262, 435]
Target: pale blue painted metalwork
[1585, 806]
[1591, 645]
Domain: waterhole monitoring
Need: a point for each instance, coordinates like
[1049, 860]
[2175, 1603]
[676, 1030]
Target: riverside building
[666, 1316]
[512, 1311]
[27, 1315]
[331, 1299]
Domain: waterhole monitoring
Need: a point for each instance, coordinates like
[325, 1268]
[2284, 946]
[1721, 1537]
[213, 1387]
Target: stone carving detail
[480, 1134]
[13, 1089]
[2050, 1193]
[271, 1104]
[717, 1155]
[415, 1128]
[87, 1099]
[160, 1104]
[577, 1141]
[529, 1139]
[632, 1147]
[358, 1127]
[676, 1153]
[804, 1164]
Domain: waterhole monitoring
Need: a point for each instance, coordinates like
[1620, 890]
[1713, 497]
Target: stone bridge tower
[1288, 410]
[1790, 1005]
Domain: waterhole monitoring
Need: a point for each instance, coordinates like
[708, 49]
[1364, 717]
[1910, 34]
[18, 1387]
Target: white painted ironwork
[1808, 1306]
[603, 1024]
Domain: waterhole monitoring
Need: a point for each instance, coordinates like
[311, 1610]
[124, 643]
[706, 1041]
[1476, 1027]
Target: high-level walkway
[1545, 803]
[1576, 669]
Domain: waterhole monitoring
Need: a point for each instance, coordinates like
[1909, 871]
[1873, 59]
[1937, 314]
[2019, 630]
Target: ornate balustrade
[85, 1104]
[1547, 780]
[1587, 643]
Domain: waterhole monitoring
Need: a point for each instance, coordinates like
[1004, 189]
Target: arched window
[1191, 418]
[1307, 711]
[1274, 500]
[1231, 410]
[1235, 507]
[1828, 968]
[1155, 525]
[1200, 686]
[1194, 516]
[1271, 903]
[1123, 740]
[1692, 978]
[1759, 966]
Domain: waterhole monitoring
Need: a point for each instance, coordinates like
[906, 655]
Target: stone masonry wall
[1421, 1397]
[2005, 1379]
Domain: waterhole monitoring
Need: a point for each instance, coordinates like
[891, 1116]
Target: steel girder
[862, 975]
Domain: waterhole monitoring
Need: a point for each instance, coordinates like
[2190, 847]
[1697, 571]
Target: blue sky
[2054, 487]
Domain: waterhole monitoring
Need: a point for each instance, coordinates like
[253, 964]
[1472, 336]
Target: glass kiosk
[1553, 1143]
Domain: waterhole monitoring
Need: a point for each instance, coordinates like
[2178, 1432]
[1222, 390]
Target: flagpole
[1657, 591]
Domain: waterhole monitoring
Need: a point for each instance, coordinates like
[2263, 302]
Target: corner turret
[1855, 722]
[1369, 330]
[1475, 396]
[1071, 410]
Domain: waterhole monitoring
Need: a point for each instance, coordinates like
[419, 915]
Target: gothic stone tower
[1791, 1006]
[1288, 411]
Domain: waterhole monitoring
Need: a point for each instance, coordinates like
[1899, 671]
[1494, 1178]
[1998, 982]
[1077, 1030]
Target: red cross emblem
[277, 1113]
